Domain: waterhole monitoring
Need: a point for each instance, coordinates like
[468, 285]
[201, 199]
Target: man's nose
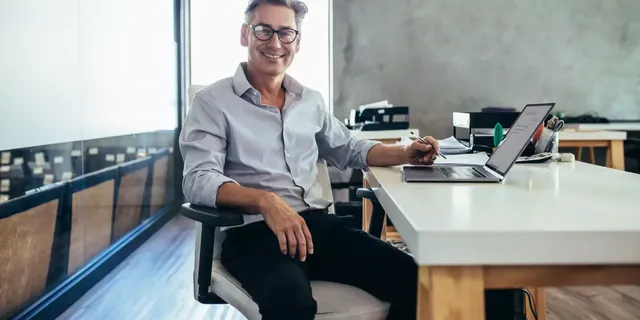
[275, 41]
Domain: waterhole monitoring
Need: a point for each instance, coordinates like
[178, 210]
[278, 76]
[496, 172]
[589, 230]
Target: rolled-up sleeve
[338, 146]
[203, 142]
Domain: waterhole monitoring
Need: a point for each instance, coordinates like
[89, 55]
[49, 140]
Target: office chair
[214, 285]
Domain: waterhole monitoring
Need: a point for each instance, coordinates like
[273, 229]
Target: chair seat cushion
[335, 300]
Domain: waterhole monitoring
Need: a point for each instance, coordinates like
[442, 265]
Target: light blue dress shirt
[230, 136]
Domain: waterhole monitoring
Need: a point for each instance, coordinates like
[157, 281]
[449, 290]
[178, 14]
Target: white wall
[443, 56]
[216, 50]
[85, 69]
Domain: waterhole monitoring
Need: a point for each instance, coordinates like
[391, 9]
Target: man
[252, 141]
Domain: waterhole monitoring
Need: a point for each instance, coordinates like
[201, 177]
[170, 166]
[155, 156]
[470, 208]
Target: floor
[155, 283]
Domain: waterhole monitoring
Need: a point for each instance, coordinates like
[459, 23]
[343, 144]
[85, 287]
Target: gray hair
[299, 8]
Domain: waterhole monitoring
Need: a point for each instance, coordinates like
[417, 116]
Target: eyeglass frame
[253, 27]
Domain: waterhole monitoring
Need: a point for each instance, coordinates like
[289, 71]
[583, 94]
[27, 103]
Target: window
[216, 50]
[81, 70]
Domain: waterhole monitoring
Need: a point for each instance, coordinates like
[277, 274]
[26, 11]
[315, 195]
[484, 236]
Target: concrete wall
[442, 56]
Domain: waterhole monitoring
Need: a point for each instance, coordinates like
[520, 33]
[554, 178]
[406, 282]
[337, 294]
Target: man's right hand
[290, 228]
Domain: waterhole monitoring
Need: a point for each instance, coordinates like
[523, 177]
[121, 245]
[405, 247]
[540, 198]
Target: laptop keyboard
[462, 172]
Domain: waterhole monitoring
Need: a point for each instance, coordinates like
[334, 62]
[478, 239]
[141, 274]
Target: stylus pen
[425, 142]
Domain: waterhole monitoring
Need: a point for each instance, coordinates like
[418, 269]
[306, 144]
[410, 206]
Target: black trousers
[280, 284]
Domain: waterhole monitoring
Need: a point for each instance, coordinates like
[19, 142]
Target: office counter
[613, 141]
[616, 126]
[385, 136]
[556, 224]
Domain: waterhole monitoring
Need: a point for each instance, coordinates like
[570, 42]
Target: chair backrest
[192, 92]
[325, 183]
[28, 251]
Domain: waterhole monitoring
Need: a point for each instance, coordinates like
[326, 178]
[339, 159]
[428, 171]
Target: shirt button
[297, 180]
[288, 155]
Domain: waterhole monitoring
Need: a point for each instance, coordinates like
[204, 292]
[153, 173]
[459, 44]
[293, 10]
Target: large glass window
[216, 49]
[88, 117]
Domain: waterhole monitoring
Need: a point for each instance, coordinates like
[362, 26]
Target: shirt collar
[241, 84]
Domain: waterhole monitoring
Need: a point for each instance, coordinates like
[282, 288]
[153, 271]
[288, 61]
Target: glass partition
[89, 114]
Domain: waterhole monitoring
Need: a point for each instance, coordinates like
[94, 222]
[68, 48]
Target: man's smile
[272, 56]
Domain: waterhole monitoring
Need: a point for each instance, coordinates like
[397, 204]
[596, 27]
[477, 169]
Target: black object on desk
[476, 128]
[584, 118]
[375, 119]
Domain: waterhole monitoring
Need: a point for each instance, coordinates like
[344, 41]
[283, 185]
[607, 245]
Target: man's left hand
[418, 153]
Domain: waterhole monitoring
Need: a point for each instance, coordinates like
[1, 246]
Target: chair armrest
[217, 217]
[367, 194]
[210, 219]
[378, 216]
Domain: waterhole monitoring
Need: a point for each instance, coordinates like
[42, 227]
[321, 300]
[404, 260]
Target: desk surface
[384, 134]
[596, 219]
[591, 135]
[620, 126]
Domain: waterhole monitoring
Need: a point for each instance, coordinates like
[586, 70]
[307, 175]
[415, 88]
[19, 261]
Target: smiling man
[252, 141]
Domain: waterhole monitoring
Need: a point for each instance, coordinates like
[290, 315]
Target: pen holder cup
[547, 142]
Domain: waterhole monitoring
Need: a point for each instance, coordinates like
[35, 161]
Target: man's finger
[426, 160]
[307, 235]
[302, 244]
[423, 147]
[282, 241]
[293, 243]
[433, 142]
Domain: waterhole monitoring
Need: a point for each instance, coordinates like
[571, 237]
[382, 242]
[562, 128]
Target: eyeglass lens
[265, 33]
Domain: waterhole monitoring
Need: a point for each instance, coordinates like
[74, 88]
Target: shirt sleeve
[203, 142]
[338, 146]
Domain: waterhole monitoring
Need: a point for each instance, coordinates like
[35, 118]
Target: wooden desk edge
[459, 290]
[615, 150]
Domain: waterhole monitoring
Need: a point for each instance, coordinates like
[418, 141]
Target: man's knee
[288, 299]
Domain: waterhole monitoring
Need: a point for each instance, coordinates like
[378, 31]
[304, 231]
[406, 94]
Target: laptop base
[447, 173]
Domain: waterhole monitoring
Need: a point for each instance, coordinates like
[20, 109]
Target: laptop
[500, 162]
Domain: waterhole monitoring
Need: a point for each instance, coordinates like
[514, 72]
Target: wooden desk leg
[615, 154]
[451, 293]
[367, 208]
[579, 155]
[540, 303]
[383, 235]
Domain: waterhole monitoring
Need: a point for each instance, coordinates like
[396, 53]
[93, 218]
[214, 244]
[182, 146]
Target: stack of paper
[379, 104]
[447, 146]
[452, 146]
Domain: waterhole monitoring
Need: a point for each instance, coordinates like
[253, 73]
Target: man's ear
[298, 42]
[244, 39]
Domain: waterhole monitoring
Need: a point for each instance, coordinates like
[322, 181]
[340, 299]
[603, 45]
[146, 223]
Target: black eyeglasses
[264, 33]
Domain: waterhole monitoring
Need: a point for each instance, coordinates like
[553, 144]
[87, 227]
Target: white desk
[616, 126]
[613, 141]
[467, 237]
[385, 135]
[584, 135]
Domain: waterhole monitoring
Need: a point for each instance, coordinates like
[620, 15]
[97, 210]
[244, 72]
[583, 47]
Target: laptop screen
[518, 136]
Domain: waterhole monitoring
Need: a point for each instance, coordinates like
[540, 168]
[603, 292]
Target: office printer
[374, 119]
[474, 129]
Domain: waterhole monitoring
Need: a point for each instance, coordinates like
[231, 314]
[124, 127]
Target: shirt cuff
[364, 152]
[206, 189]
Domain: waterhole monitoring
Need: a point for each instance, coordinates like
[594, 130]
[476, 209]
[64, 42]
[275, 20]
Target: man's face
[272, 56]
